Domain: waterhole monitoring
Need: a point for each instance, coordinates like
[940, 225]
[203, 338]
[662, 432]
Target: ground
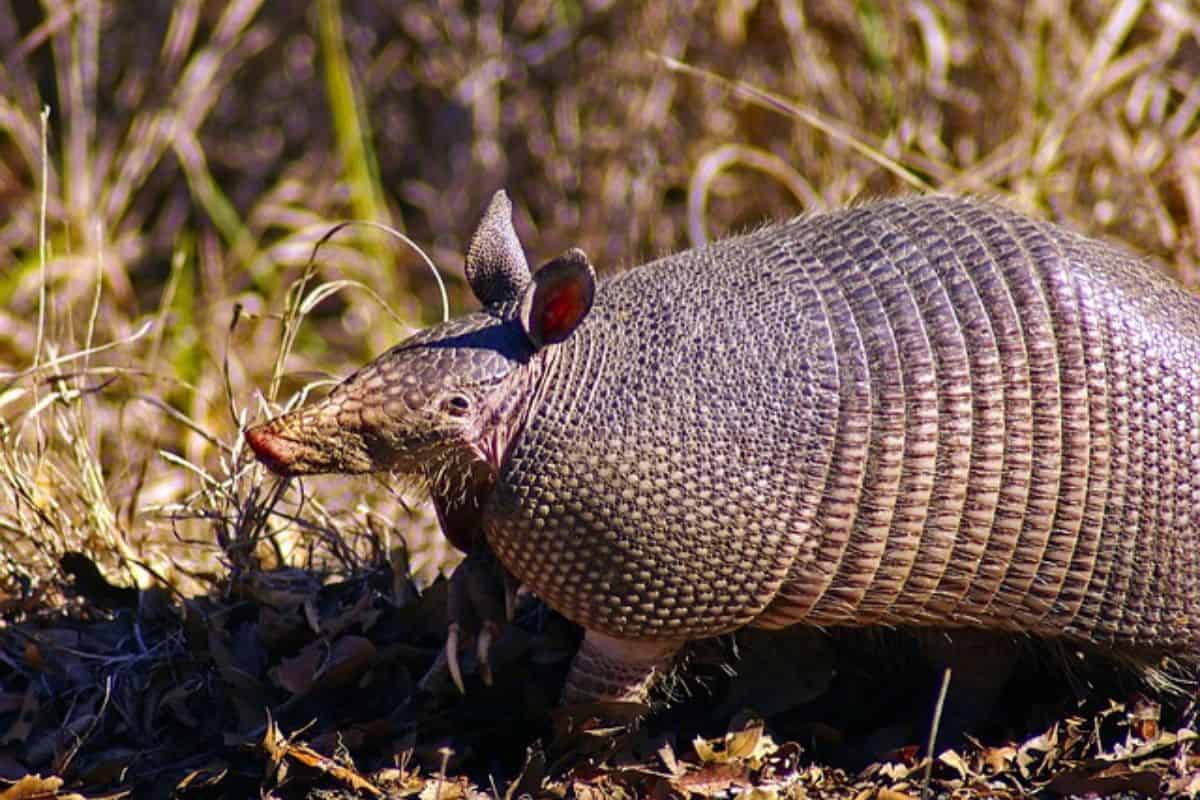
[176, 621]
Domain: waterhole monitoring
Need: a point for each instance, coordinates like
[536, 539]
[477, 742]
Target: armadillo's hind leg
[608, 669]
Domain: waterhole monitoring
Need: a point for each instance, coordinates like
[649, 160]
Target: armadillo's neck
[460, 473]
[508, 409]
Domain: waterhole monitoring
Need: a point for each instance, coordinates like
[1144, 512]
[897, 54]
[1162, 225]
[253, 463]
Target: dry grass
[156, 224]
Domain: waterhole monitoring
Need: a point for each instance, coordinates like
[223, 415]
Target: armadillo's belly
[1018, 443]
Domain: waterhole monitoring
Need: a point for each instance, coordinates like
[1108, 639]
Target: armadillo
[917, 412]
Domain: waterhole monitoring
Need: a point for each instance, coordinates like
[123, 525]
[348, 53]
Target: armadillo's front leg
[608, 669]
[481, 601]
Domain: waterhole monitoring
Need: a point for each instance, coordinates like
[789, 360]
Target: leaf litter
[284, 684]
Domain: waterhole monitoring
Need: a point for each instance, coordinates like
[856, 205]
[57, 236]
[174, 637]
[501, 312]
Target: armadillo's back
[1019, 435]
[922, 411]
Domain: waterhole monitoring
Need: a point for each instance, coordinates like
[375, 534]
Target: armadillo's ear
[559, 299]
[496, 266]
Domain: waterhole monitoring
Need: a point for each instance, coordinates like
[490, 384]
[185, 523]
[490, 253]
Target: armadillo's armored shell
[927, 411]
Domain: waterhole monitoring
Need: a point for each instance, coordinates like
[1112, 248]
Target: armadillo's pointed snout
[310, 441]
[271, 449]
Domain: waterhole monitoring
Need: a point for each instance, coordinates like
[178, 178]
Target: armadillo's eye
[456, 405]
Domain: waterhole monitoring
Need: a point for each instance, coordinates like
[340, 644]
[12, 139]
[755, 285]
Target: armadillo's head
[451, 397]
[435, 393]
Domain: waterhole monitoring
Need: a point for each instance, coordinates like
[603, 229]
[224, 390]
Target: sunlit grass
[120, 437]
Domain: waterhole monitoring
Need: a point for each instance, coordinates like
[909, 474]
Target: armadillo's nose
[273, 450]
[311, 441]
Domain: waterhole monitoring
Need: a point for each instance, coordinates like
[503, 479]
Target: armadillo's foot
[607, 669]
[482, 599]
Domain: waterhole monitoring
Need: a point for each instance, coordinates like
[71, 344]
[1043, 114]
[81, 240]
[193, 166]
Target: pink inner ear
[562, 309]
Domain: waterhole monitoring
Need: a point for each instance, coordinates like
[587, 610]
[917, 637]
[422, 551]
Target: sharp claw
[483, 651]
[452, 658]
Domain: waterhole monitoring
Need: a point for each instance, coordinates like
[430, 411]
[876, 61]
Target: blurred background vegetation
[166, 167]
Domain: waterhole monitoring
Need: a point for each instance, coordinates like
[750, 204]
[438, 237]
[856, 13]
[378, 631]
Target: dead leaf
[1034, 753]
[905, 756]
[274, 744]
[746, 743]
[219, 645]
[583, 790]
[1143, 719]
[280, 628]
[361, 614]
[667, 754]
[281, 588]
[348, 659]
[445, 789]
[781, 765]
[35, 787]
[998, 760]
[175, 701]
[246, 691]
[955, 762]
[1185, 786]
[896, 771]
[892, 794]
[759, 793]
[1117, 778]
[311, 758]
[298, 674]
[22, 726]
[1165, 740]
[203, 778]
[33, 656]
[713, 779]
